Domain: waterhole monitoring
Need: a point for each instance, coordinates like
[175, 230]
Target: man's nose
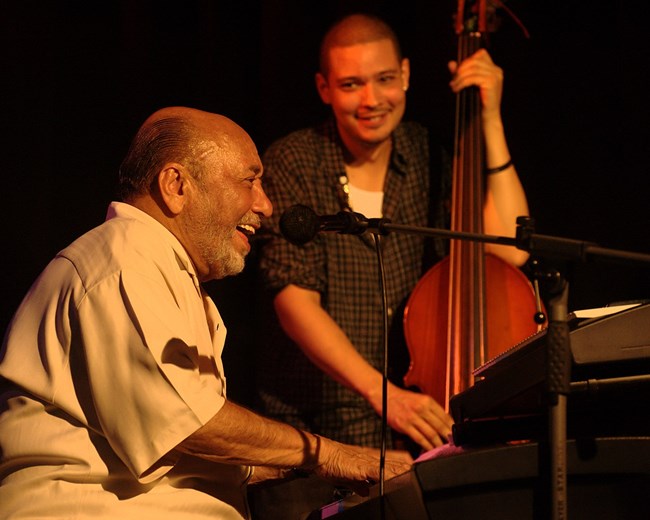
[262, 204]
[370, 94]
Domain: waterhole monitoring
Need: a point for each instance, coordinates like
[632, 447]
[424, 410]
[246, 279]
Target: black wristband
[498, 169]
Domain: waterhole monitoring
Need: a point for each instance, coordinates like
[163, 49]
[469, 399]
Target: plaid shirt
[305, 168]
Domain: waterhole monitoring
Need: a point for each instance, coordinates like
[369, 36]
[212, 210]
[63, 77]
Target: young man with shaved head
[322, 361]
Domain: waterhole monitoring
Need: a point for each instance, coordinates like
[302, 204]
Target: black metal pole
[558, 381]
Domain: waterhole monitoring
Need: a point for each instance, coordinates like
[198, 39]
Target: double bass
[472, 305]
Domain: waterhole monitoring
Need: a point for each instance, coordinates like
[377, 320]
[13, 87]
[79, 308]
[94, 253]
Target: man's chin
[374, 136]
[234, 266]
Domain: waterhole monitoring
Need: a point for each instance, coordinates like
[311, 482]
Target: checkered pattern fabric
[304, 168]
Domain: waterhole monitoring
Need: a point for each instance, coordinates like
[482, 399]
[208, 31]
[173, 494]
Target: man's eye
[349, 85]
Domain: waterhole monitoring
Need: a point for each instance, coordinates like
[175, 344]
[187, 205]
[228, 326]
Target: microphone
[299, 223]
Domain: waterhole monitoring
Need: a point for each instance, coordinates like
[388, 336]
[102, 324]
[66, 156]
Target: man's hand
[357, 467]
[479, 70]
[417, 415]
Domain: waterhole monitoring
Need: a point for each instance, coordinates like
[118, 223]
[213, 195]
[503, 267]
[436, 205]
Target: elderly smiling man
[113, 395]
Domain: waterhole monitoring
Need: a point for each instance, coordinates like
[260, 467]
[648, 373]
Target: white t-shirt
[368, 203]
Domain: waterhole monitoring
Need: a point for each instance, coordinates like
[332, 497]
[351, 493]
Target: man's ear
[406, 73]
[323, 88]
[172, 185]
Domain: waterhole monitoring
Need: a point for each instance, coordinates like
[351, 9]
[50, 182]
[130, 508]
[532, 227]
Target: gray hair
[155, 144]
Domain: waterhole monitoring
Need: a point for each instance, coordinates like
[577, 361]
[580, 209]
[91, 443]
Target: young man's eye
[349, 85]
[387, 79]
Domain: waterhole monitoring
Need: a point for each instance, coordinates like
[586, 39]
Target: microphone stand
[558, 352]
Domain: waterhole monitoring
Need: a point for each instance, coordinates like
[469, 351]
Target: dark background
[78, 78]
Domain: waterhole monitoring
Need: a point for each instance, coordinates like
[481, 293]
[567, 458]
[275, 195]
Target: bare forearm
[236, 435]
[323, 341]
[505, 199]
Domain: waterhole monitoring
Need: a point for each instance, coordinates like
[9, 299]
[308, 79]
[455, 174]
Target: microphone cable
[384, 389]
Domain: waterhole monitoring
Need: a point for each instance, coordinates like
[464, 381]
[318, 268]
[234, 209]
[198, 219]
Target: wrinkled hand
[354, 467]
[479, 70]
[357, 467]
[417, 415]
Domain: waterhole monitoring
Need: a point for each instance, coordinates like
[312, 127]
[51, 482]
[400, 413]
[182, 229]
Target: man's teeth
[247, 229]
